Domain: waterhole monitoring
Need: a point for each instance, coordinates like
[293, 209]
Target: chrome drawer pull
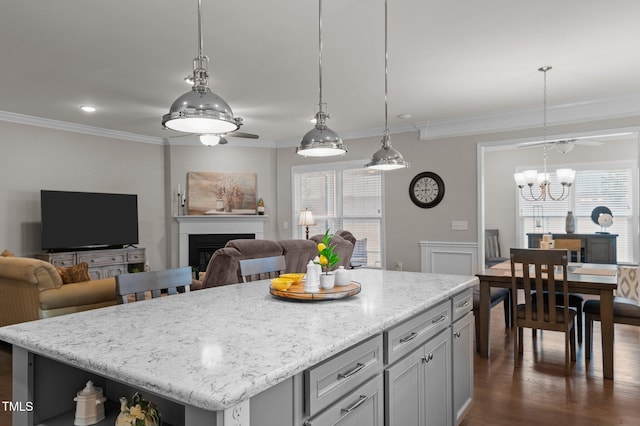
[439, 320]
[463, 305]
[359, 366]
[409, 338]
[358, 403]
[457, 334]
[427, 358]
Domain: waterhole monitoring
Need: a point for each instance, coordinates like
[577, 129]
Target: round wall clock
[426, 190]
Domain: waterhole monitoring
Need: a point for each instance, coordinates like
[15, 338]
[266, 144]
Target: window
[603, 184]
[346, 196]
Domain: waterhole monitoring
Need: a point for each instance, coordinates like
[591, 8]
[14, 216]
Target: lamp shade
[200, 111]
[306, 218]
[209, 140]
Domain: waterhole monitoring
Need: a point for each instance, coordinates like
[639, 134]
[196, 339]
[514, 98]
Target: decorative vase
[570, 223]
[219, 205]
[343, 277]
[327, 280]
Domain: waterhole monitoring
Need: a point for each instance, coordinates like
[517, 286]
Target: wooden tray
[296, 292]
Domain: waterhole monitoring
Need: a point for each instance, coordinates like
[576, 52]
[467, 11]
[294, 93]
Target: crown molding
[76, 128]
[578, 112]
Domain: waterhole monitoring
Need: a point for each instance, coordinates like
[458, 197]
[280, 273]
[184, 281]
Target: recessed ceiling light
[88, 108]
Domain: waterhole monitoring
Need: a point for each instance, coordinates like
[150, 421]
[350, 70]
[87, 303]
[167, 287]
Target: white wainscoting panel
[449, 257]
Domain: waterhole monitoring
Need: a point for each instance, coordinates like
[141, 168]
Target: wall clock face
[426, 190]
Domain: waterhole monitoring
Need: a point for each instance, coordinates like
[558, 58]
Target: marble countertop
[217, 347]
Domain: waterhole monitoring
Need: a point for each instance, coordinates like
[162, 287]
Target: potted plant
[327, 259]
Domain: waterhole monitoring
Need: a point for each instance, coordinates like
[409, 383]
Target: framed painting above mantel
[221, 193]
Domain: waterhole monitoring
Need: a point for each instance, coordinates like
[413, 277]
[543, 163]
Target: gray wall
[34, 158]
[228, 158]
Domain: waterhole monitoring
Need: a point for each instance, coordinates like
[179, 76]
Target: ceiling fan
[563, 145]
[221, 138]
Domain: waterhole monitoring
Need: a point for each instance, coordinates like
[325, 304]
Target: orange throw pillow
[7, 253]
[74, 274]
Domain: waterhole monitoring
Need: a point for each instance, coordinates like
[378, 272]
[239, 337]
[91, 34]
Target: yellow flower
[323, 260]
[137, 412]
[321, 246]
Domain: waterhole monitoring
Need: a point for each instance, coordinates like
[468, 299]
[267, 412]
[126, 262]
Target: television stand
[102, 263]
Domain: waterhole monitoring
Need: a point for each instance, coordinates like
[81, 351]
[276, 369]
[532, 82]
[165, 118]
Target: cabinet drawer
[64, 260]
[405, 337]
[329, 381]
[363, 406]
[135, 256]
[462, 303]
[102, 258]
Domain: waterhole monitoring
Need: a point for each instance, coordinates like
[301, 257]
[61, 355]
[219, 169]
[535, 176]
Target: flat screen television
[77, 220]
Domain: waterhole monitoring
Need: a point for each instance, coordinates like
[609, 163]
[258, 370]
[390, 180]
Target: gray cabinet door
[462, 346]
[437, 380]
[404, 391]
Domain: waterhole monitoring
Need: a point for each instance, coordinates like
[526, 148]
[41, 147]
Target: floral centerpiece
[138, 412]
[326, 253]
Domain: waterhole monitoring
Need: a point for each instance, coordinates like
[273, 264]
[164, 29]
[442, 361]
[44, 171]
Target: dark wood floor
[537, 393]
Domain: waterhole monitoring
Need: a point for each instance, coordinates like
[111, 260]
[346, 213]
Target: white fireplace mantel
[215, 224]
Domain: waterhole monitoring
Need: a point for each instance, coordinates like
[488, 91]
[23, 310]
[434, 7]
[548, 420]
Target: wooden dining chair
[262, 268]
[492, 253]
[141, 284]
[534, 313]
[626, 304]
[575, 299]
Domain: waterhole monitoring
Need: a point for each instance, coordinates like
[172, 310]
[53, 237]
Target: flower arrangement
[138, 412]
[325, 253]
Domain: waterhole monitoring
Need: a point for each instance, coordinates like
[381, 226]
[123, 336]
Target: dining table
[584, 278]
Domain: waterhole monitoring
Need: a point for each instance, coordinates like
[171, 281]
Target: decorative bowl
[295, 277]
[281, 283]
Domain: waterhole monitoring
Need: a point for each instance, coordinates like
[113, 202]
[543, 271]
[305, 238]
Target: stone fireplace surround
[215, 224]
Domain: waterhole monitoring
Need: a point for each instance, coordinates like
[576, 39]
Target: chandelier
[541, 181]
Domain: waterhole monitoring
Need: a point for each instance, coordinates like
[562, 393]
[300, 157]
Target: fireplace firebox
[202, 247]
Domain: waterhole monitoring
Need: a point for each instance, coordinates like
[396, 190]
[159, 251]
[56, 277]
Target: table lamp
[305, 219]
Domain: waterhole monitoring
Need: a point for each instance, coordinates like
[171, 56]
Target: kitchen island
[227, 355]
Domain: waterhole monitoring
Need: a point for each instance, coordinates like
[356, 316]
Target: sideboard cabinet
[596, 248]
[102, 263]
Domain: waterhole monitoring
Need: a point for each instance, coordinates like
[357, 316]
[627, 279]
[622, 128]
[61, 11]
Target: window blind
[342, 196]
[610, 185]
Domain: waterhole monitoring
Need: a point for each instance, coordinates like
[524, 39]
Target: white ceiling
[447, 59]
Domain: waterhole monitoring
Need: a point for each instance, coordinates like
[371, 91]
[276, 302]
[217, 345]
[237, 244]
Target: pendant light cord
[320, 50]
[544, 119]
[386, 76]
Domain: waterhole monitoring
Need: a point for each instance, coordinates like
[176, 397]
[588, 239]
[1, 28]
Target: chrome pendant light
[200, 110]
[321, 141]
[386, 158]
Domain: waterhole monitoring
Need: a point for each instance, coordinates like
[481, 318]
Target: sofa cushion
[79, 294]
[74, 274]
[252, 249]
[41, 274]
[297, 253]
[223, 268]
